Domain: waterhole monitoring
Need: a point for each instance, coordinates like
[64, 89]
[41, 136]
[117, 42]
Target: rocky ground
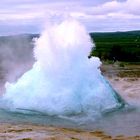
[34, 132]
[125, 80]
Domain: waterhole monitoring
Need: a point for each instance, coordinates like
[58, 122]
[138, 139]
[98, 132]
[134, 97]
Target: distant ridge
[108, 32]
[120, 45]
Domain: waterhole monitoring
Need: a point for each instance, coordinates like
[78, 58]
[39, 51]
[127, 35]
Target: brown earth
[34, 132]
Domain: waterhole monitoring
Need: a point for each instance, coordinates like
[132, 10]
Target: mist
[16, 57]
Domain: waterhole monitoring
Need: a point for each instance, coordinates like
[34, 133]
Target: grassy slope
[122, 46]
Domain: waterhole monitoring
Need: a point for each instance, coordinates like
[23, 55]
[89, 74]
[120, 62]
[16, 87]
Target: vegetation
[121, 46]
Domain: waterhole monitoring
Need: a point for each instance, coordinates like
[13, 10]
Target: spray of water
[63, 81]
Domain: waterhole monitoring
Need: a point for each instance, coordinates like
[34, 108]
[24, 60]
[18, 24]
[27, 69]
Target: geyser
[63, 81]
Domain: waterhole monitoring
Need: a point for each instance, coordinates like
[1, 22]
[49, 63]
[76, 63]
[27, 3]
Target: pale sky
[29, 16]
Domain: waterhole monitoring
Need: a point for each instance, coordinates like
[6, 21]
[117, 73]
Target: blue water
[123, 121]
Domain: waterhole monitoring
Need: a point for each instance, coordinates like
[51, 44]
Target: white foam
[63, 80]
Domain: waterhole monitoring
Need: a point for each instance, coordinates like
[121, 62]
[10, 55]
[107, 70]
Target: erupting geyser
[63, 81]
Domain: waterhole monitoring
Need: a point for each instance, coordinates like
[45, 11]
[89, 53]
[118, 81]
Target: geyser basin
[63, 81]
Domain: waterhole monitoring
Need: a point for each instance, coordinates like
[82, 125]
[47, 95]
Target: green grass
[122, 46]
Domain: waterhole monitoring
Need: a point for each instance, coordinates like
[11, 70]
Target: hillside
[122, 46]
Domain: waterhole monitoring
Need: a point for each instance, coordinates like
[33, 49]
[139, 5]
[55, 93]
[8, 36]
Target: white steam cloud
[63, 80]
